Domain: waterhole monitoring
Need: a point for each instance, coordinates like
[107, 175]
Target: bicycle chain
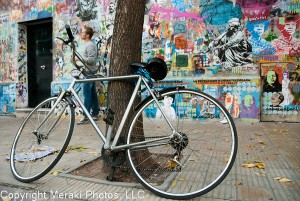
[145, 169]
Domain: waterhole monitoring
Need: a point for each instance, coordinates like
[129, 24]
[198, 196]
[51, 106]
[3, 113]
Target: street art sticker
[7, 98]
[280, 91]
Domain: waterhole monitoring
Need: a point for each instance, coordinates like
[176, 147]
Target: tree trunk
[126, 48]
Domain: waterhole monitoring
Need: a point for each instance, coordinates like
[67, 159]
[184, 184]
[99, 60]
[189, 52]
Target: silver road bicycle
[175, 143]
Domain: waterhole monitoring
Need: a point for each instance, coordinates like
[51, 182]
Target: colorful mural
[97, 14]
[245, 53]
[227, 41]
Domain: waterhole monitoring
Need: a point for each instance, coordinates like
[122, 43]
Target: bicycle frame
[106, 140]
[140, 79]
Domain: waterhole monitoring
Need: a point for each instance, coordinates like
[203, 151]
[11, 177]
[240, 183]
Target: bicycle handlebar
[71, 37]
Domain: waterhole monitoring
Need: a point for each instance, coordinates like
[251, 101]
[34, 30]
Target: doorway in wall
[39, 51]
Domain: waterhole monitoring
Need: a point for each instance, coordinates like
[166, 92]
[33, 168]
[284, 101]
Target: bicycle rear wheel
[41, 140]
[194, 162]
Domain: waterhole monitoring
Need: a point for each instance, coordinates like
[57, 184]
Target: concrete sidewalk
[277, 145]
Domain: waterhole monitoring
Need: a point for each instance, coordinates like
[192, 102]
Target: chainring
[114, 158]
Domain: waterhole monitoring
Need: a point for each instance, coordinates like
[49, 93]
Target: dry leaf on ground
[55, 172]
[238, 183]
[248, 165]
[282, 180]
[171, 164]
[76, 148]
[260, 165]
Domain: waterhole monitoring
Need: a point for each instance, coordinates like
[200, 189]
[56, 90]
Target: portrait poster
[280, 96]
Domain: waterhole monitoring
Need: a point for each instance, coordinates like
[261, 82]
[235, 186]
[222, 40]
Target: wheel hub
[180, 143]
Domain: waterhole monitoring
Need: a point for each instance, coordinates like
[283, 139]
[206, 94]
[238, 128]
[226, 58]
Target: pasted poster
[7, 98]
[280, 91]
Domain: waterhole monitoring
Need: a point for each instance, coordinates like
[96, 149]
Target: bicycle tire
[207, 148]
[34, 152]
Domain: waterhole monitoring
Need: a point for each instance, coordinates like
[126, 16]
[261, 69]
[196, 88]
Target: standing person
[89, 88]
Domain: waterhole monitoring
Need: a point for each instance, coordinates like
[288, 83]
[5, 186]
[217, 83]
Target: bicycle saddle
[156, 67]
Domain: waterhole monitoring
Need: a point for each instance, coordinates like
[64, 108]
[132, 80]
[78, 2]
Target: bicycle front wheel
[198, 155]
[41, 140]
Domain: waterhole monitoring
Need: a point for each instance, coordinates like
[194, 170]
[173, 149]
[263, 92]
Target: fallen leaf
[284, 180]
[263, 172]
[171, 164]
[260, 165]
[258, 134]
[256, 173]
[76, 148]
[174, 183]
[38, 149]
[55, 172]
[248, 165]
[261, 142]
[181, 179]
[280, 130]
[238, 183]
[277, 178]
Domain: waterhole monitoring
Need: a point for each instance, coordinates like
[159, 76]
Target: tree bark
[126, 48]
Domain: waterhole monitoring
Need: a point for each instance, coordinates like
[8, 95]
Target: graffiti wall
[221, 42]
[97, 14]
[244, 53]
